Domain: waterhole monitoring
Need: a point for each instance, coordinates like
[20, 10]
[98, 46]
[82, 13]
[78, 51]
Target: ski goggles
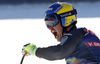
[51, 20]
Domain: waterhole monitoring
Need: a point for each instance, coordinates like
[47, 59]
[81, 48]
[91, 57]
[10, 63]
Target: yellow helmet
[64, 12]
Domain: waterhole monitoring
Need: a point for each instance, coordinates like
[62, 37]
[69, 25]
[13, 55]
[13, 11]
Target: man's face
[54, 26]
[57, 31]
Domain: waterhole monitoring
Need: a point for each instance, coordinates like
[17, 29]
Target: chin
[58, 40]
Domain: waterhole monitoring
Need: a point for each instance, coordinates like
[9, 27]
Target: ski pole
[23, 58]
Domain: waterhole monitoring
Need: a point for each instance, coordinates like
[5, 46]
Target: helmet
[64, 12]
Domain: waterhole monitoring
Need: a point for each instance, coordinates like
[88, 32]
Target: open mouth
[54, 33]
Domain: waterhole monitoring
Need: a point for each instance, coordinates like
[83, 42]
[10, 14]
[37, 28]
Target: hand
[29, 49]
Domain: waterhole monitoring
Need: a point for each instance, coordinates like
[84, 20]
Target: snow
[22, 24]
[14, 33]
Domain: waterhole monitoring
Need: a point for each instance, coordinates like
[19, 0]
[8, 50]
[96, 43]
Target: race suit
[79, 46]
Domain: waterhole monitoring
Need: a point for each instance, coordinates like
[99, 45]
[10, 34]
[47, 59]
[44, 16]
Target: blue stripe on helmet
[63, 23]
[53, 9]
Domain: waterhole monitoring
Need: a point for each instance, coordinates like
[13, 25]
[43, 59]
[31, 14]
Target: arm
[64, 50]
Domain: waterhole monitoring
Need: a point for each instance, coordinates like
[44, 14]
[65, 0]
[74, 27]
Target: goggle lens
[51, 20]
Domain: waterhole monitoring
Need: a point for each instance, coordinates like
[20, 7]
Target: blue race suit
[79, 46]
[88, 52]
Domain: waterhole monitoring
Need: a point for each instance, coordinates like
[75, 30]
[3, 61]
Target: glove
[29, 49]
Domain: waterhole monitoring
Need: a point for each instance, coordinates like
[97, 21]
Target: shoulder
[77, 31]
[72, 36]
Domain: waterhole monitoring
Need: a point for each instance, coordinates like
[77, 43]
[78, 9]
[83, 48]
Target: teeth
[53, 31]
[56, 36]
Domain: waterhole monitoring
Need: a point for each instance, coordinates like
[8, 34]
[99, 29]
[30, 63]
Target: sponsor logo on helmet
[66, 14]
[73, 12]
[50, 9]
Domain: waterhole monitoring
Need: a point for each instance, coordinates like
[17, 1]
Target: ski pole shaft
[23, 58]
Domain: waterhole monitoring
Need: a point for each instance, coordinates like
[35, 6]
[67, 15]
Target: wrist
[33, 51]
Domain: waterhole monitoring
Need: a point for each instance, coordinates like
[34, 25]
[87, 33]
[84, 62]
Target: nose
[50, 28]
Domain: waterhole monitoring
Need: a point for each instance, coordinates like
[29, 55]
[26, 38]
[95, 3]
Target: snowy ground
[14, 33]
[18, 28]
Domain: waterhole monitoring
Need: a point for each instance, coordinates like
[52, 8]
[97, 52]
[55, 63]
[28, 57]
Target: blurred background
[22, 22]
[17, 9]
[40, 1]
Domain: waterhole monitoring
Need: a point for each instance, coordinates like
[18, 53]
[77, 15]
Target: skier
[78, 45]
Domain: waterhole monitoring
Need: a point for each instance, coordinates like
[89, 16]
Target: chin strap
[65, 29]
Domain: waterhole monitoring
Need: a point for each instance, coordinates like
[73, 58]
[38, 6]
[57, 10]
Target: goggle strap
[73, 12]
